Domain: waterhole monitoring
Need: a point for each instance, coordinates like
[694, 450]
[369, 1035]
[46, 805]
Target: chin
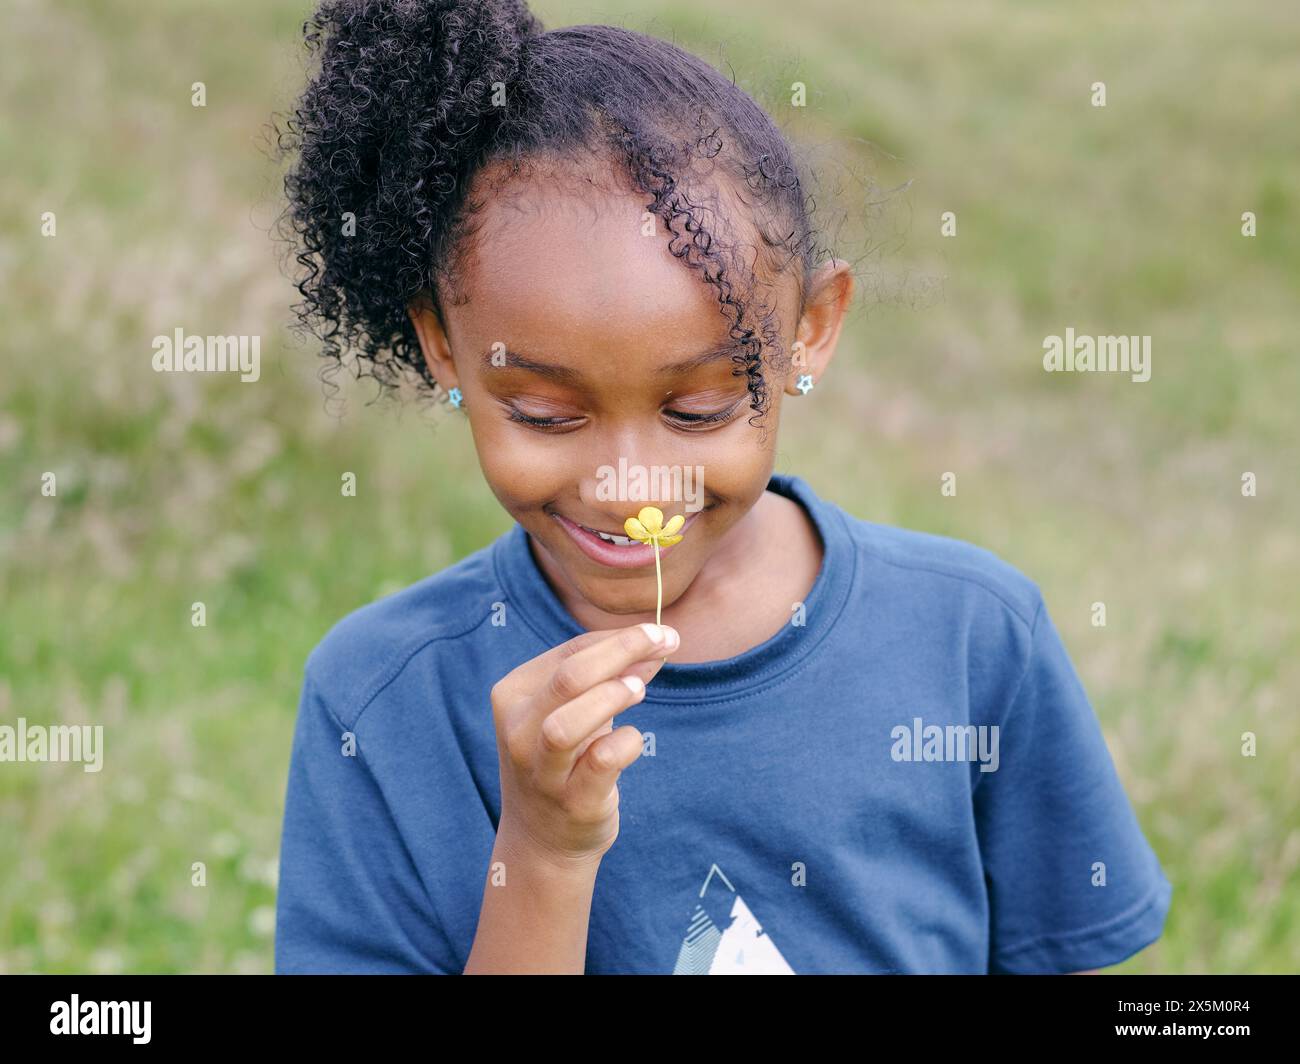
[610, 598]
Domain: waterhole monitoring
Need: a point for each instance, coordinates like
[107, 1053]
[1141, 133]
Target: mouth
[616, 549]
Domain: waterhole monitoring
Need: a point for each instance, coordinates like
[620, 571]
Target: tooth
[618, 541]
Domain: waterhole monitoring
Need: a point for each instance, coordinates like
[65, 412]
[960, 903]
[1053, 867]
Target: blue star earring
[454, 397]
[805, 384]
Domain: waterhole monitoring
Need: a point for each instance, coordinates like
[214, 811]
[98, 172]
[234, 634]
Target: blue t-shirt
[908, 777]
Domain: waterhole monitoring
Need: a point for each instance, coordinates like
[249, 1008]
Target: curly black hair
[414, 100]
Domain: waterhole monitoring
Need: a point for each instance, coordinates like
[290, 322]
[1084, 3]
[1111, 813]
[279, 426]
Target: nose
[621, 489]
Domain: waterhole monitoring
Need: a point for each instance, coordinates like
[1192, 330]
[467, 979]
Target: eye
[720, 418]
[684, 420]
[543, 423]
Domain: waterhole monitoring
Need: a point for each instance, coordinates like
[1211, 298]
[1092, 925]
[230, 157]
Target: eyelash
[550, 424]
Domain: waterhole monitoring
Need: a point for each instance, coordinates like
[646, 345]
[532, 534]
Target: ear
[818, 333]
[434, 344]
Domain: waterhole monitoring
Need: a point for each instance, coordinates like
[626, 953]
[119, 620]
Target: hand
[560, 755]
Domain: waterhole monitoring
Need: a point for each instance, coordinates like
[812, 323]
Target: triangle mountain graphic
[725, 938]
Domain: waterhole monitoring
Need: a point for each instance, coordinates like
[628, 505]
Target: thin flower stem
[659, 582]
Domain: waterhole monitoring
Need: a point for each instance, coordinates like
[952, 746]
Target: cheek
[733, 471]
[521, 475]
[732, 476]
[745, 455]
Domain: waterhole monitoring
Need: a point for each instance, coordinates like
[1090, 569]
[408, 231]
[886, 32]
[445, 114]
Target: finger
[604, 729]
[563, 735]
[533, 673]
[597, 771]
[645, 671]
[604, 660]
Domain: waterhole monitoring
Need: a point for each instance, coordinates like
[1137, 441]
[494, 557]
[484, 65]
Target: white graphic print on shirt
[725, 938]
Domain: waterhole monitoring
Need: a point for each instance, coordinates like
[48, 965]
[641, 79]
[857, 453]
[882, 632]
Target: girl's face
[624, 349]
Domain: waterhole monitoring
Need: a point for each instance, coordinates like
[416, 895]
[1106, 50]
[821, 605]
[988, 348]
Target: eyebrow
[568, 375]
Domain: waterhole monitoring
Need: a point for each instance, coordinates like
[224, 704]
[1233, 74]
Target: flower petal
[652, 518]
[668, 541]
[674, 524]
[636, 530]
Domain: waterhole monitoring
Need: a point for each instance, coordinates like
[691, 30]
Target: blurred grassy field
[179, 488]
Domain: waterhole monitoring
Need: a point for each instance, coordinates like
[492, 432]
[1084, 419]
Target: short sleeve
[1072, 882]
[349, 898]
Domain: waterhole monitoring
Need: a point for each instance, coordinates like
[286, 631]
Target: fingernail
[674, 640]
[634, 684]
[655, 632]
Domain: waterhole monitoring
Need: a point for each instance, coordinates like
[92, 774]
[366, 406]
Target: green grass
[179, 489]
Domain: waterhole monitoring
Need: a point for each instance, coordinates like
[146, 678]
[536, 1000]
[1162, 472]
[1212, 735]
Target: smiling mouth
[615, 539]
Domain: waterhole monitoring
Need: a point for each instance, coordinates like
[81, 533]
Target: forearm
[534, 915]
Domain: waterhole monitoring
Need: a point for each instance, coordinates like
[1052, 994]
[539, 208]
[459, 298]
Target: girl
[848, 748]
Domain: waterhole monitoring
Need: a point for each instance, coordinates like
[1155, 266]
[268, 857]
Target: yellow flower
[648, 527]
